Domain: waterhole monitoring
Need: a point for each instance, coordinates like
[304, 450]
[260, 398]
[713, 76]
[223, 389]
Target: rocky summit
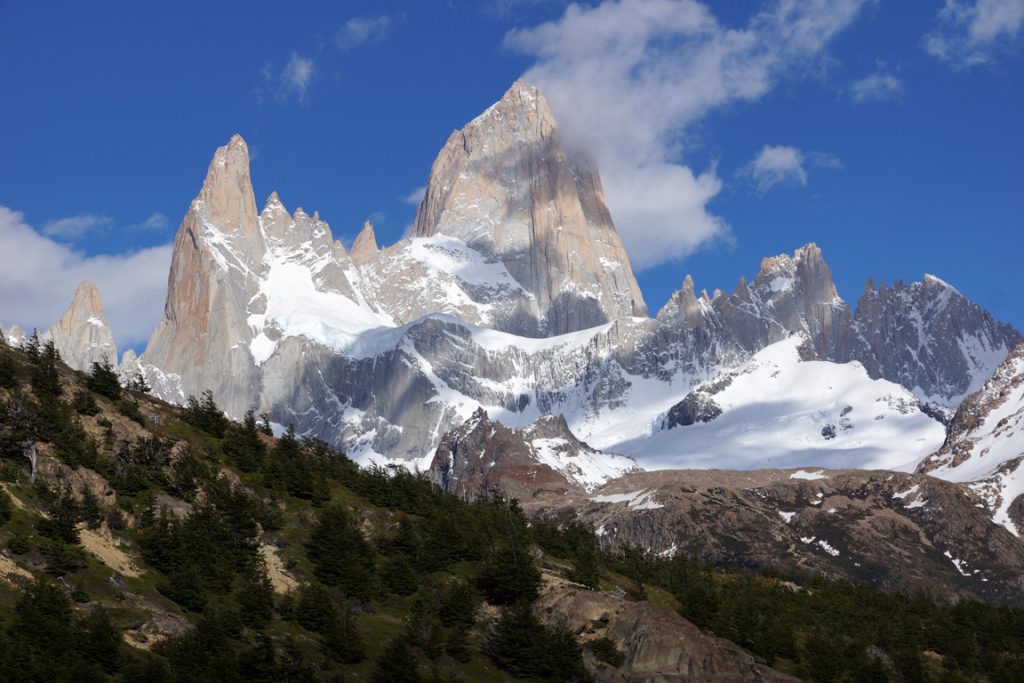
[505, 185]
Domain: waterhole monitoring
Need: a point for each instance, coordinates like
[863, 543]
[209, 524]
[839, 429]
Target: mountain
[513, 295]
[985, 443]
[82, 335]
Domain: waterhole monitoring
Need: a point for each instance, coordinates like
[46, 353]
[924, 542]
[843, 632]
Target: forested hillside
[143, 542]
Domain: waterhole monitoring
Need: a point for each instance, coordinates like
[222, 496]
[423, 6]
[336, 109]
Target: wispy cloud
[38, 277]
[504, 9]
[416, 196]
[363, 31]
[296, 77]
[626, 79]
[157, 222]
[971, 33]
[878, 86]
[785, 165]
[76, 226]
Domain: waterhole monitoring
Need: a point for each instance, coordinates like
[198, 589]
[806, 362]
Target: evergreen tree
[243, 446]
[315, 610]
[396, 665]
[586, 569]
[45, 369]
[8, 371]
[399, 576]
[509, 575]
[139, 384]
[79, 594]
[6, 508]
[256, 598]
[264, 425]
[341, 639]
[459, 605]
[103, 380]
[205, 415]
[341, 556]
[63, 522]
[523, 645]
[423, 627]
[90, 509]
[98, 641]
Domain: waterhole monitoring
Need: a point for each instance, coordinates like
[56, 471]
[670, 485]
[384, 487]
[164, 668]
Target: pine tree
[139, 384]
[396, 665]
[204, 414]
[341, 556]
[585, 569]
[399, 576]
[509, 575]
[242, 444]
[103, 380]
[341, 639]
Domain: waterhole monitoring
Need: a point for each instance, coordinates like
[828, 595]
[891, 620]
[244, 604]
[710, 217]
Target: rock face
[930, 338]
[204, 334]
[897, 531]
[482, 455]
[985, 443]
[504, 185]
[237, 277]
[659, 646]
[789, 294]
[82, 335]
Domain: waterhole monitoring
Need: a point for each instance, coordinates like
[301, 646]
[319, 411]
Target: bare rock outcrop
[659, 646]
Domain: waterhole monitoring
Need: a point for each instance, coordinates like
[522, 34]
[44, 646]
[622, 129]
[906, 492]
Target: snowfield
[780, 411]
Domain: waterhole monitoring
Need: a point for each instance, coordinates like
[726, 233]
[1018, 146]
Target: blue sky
[888, 132]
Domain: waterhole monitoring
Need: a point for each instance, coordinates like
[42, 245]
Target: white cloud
[416, 196]
[627, 77]
[75, 226]
[777, 164]
[877, 86]
[785, 165]
[363, 31]
[971, 33]
[38, 277]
